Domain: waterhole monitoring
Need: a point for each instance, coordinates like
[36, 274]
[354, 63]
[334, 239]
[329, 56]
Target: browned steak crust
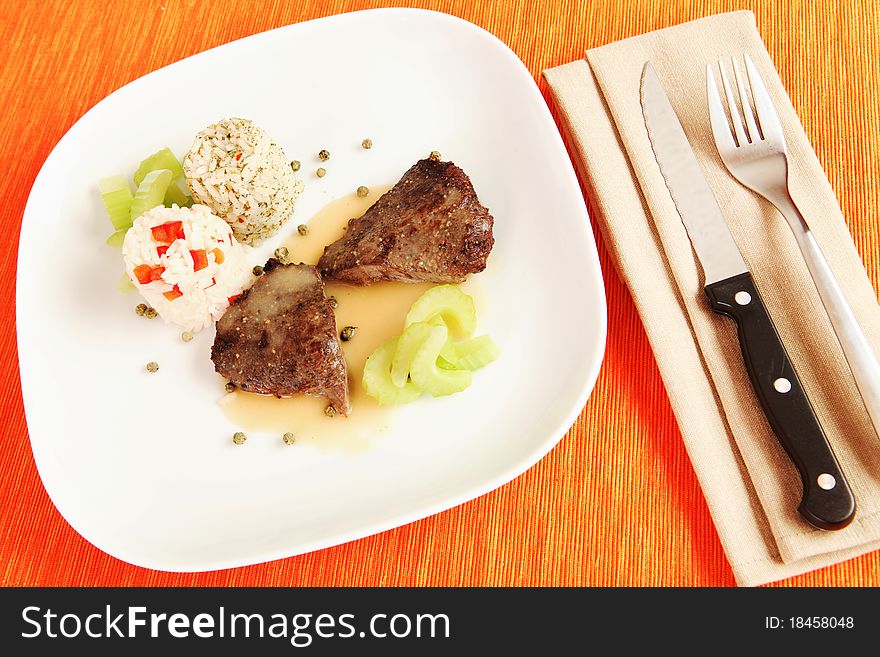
[279, 338]
[429, 227]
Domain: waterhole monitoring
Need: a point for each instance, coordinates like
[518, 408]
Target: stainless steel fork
[750, 141]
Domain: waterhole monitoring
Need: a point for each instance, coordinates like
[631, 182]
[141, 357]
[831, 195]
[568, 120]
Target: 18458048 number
[821, 622]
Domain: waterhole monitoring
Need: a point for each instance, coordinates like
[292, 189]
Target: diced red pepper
[218, 256]
[142, 274]
[156, 273]
[200, 259]
[147, 274]
[233, 298]
[168, 232]
[161, 249]
[173, 293]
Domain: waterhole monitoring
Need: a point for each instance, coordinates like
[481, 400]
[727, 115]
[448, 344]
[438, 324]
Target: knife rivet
[826, 481]
[743, 298]
[782, 385]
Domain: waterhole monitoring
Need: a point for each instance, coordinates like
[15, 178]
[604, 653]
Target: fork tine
[767, 117]
[735, 119]
[717, 116]
[745, 103]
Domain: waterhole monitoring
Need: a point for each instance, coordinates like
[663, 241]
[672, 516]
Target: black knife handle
[827, 500]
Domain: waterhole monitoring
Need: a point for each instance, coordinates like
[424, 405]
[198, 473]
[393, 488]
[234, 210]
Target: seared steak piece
[279, 338]
[429, 227]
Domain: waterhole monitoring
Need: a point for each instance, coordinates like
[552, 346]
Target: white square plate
[141, 464]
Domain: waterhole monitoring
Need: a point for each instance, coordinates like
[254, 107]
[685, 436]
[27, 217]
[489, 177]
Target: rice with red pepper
[186, 263]
[236, 169]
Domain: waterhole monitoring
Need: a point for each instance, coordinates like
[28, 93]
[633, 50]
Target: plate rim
[540, 450]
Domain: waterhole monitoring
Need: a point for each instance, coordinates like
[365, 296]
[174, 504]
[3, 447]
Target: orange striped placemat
[616, 502]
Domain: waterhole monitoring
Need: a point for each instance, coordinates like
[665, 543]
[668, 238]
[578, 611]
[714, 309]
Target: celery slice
[116, 194]
[163, 159]
[444, 364]
[449, 302]
[150, 192]
[425, 373]
[377, 377]
[470, 354]
[177, 191]
[425, 358]
[115, 240]
[407, 347]
[125, 285]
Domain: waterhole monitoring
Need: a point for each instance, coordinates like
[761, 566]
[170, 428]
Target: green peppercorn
[347, 333]
[281, 253]
[363, 191]
[435, 155]
[324, 155]
[288, 438]
[321, 172]
[333, 302]
[230, 387]
[186, 336]
[367, 143]
[239, 438]
[150, 313]
[295, 165]
[302, 229]
[330, 411]
[140, 309]
[257, 270]
[152, 366]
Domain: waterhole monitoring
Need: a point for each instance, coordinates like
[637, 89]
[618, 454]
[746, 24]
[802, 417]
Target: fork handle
[858, 352]
[827, 501]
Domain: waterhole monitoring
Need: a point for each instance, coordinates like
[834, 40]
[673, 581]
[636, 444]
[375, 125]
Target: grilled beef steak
[429, 227]
[279, 338]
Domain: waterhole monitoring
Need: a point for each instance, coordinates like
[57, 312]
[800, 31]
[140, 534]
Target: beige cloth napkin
[751, 487]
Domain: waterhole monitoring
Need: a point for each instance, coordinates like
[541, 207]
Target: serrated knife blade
[696, 204]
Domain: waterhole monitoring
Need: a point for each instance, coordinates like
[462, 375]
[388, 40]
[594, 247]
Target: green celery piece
[407, 347]
[163, 159]
[115, 240]
[377, 377]
[447, 301]
[444, 364]
[125, 285]
[425, 373]
[150, 192]
[116, 194]
[470, 354]
[177, 193]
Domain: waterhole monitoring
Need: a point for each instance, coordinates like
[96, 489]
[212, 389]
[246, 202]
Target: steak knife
[827, 501]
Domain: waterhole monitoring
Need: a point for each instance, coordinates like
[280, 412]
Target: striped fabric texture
[616, 503]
